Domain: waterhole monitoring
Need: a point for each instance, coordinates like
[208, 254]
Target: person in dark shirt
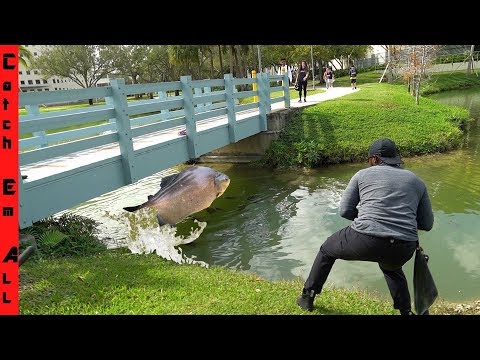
[353, 76]
[387, 205]
[302, 77]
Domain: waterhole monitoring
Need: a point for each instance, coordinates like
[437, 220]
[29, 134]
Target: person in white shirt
[284, 68]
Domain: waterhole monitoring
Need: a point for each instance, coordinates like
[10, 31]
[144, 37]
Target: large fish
[185, 193]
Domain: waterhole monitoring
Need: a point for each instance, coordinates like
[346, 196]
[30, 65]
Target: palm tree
[23, 55]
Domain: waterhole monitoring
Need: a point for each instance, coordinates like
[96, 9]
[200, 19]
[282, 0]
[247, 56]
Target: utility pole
[259, 59]
[313, 66]
[389, 59]
[470, 60]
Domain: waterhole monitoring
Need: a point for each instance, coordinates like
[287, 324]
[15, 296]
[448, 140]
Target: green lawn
[118, 282]
[342, 129]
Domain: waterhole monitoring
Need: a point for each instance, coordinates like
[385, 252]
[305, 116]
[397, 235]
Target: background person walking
[285, 68]
[302, 77]
[328, 77]
[353, 76]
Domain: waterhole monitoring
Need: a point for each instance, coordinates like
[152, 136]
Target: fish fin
[168, 180]
[212, 209]
[160, 220]
[133, 208]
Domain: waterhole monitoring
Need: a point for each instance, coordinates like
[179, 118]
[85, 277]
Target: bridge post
[112, 121]
[189, 108]
[262, 80]
[162, 96]
[24, 216]
[198, 92]
[33, 109]
[267, 93]
[208, 90]
[286, 90]
[124, 130]
[232, 118]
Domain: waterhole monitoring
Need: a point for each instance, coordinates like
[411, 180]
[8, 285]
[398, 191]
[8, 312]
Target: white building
[32, 79]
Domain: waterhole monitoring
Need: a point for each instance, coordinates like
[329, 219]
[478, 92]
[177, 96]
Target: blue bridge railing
[142, 133]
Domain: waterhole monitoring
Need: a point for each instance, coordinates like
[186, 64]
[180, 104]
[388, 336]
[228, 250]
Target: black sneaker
[305, 300]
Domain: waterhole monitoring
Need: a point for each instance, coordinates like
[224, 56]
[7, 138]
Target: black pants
[302, 86]
[348, 244]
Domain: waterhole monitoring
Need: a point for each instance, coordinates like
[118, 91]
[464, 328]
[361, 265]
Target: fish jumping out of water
[185, 193]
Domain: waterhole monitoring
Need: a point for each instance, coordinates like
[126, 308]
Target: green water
[273, 223]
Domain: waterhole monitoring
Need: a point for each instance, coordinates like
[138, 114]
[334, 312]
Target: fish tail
[133, 208]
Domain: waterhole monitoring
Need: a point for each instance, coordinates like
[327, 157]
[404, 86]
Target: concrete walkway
[329, 94]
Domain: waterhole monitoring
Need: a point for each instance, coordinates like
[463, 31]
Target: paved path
[68, 162]
[327, 95]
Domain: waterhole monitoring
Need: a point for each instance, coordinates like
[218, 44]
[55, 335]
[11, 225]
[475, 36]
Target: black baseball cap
[386, 150]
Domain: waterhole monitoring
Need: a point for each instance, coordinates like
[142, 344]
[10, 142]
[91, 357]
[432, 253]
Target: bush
[452, 58]
[67, 235]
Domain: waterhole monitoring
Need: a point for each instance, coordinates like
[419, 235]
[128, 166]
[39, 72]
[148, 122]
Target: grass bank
[118, 282]
[342, 129]
[438, 82]
[456, 80]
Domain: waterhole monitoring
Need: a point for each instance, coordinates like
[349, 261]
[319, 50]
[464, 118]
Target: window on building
[39, 89]
[55, 88]
[37, 81]
[20, 72]
[53, 80]
[22, 82]
[35, 72]
[28, 72]
[45, 81]
[47, 89]
[30, 82]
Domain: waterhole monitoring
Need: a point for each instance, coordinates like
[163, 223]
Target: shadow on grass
[324, 310]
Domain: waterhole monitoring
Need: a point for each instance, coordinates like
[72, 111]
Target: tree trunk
[212, 75]
[221, 60]
[417, 92]
[470, 60]
[231, 59]
[237, 65]
[389, 58]
[200, 63]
